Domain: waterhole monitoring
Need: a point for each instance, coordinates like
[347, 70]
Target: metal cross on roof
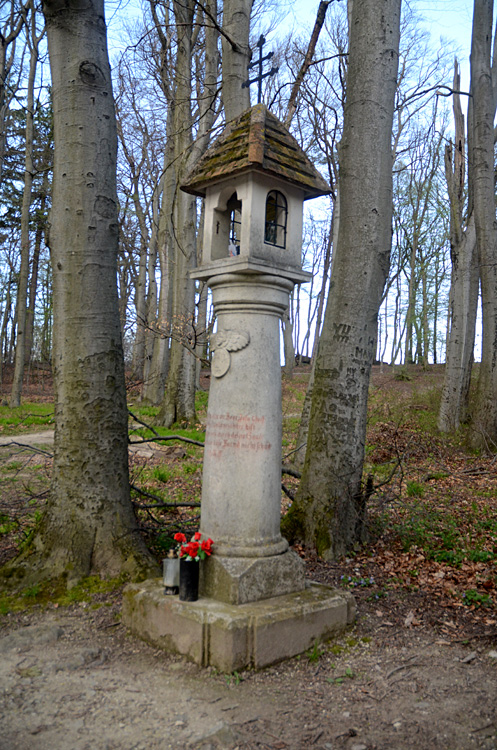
[259, 78]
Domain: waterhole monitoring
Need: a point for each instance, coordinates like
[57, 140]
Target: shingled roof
[256, 140]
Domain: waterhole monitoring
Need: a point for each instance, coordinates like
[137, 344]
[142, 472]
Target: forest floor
[418, 669]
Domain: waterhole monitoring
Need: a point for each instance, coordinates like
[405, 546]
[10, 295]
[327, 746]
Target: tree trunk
[318, 25]
[463, 300]
[22, 289]
[462, 315]
[327, 514]
[236, 56]
[484, 422]
[178, 404]
[17, 17]
[89, 526]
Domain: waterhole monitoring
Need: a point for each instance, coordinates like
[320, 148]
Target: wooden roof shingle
[256, 140]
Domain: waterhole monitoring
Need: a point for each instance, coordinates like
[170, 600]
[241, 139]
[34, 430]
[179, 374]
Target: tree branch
[292, 102]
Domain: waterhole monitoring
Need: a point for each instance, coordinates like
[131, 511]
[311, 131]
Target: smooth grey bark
[159, 309]
[22, 289]
[177, 222]
[463, 300]
[89, 526]
[178, 404]
[13, 22]
[484, 418]
[35, 263]
[236, 56]
[327, 512]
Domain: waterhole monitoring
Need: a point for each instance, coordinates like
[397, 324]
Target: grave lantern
[255, 606]
[255, 179]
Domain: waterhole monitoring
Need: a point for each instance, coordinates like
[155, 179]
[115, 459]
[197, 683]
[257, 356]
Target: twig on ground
[167, 437]
[28, 447]
[140, 421]
[160, 503]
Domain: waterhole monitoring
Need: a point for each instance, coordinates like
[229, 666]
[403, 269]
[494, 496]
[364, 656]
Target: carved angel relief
[222, 343]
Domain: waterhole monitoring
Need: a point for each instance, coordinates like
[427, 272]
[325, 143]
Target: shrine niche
[255, 179]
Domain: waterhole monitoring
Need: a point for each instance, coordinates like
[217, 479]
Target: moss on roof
[256, 140]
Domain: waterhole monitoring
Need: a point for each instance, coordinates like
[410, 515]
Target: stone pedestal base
[231, 637]
[239, 580]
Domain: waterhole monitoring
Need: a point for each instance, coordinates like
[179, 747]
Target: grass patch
[472, 597]
[7, 524]
[415, 489]
[19, 419]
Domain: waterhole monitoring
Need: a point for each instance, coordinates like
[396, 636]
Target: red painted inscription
[228, 431]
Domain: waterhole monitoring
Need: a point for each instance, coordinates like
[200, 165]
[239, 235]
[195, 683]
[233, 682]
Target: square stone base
[240, 580]
[232, 637]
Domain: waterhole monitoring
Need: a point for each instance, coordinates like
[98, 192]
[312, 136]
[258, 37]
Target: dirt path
[46, 438]
[31, 438]
[72, 679]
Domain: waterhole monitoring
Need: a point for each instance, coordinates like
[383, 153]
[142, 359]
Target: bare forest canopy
[413, 319]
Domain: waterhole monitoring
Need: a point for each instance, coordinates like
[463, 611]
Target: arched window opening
[276, 219]
[235, 209]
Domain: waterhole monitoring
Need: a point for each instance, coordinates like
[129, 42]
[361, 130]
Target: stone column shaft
[241, 492]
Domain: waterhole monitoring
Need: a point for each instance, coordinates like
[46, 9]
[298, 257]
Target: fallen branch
[166, 438]
[140, 421]
[288, 492]
[291, 472]
[160, 503]
[30, 447]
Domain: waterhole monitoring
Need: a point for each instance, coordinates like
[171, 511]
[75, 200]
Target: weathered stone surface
[232, 637]
[239, 580]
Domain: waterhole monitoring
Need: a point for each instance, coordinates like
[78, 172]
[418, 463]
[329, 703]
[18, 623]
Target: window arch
[276, 219]
[234, 206]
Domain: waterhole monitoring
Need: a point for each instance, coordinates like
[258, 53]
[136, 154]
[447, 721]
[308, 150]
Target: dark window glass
[276, 219]
[235, 208]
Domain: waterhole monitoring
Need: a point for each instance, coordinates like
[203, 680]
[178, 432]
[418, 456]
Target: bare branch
[292, 102]
[160, 503]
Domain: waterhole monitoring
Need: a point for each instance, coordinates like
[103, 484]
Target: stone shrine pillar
[241, 495]
[254, 179]
[255, 606]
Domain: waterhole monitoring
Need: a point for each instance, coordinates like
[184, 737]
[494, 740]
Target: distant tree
[13, 17]
[327, 512]
[464, 279]
[34, 37]
[482, 193]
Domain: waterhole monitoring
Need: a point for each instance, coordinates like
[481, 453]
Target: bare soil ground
[418, 670]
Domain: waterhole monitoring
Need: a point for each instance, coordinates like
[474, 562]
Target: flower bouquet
[190, 553]
[196, 549]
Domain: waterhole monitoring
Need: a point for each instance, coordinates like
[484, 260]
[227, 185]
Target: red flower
[179, 537]
[197, 536]
[191, 549]
[206, 545]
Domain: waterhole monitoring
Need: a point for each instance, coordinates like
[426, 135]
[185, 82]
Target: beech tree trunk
[236, 56]
[16, 17]
[89, 526]
[178, 404]
[328, 511]
[484, 421]
[22, 288]
[464, 281]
